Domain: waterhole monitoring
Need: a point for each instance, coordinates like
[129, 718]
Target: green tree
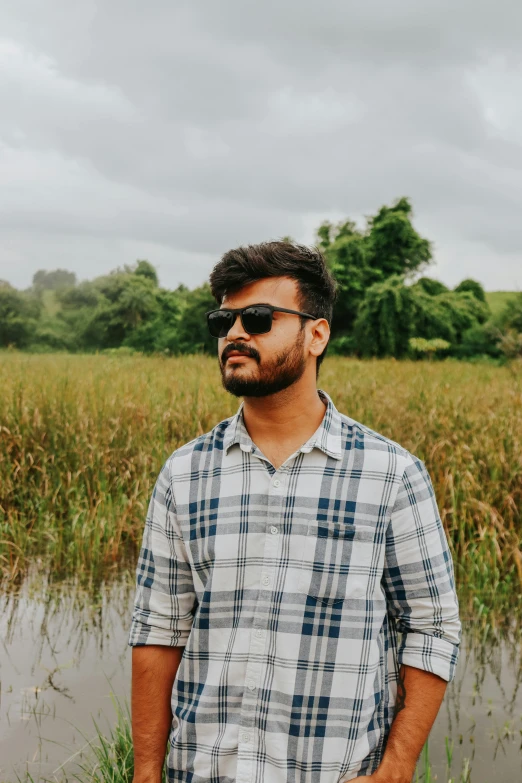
[473, 286]
[126, 302]
[511, 315]
[479, 340]
[145, 269]
[159, 333]
[193, 333]
[102, 313]
[358, 258]
[447, 315]
[392, 313]
[54, 280]
[384, 322]
[19, 313]
[344, 249]
[432, 286]
[394, 246]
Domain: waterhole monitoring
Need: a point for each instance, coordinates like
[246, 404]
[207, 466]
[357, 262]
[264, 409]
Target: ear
[320, 332]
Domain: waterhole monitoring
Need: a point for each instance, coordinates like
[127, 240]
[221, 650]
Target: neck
[291, 415]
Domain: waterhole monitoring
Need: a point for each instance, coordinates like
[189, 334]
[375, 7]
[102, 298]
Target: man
[295, 617]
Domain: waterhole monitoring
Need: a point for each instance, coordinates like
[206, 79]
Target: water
[62, 655]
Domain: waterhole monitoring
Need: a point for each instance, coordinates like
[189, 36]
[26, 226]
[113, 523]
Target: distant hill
[497, 300]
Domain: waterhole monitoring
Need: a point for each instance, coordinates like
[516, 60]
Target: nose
[236, 333]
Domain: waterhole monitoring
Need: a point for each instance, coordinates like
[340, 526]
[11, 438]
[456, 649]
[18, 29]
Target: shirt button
[259, 632]
[276, 482]
[246, 737]
[266, 580]
[274, 530]
[251, 684]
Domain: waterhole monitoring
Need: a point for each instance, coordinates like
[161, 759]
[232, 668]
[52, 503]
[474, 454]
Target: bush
[344, 345]
[428, 348]
[478, 340]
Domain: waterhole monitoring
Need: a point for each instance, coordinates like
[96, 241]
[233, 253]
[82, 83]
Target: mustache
[246, 349]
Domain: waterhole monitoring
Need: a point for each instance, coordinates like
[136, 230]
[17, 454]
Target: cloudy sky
[173, 130]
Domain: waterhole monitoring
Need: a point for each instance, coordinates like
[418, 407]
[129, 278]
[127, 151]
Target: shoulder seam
[372, 433]
[199, 438]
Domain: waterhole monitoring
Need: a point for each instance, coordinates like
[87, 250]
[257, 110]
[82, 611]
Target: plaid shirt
[297, 593]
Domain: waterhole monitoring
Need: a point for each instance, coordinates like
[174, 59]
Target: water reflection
[64, 649]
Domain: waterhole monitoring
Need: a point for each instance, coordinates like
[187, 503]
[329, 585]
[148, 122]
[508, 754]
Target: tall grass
[82, 439]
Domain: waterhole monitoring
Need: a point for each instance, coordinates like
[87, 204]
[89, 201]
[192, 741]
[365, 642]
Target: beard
[273, 375]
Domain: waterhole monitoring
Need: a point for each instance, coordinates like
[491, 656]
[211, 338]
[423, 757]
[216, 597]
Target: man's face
[274, 360]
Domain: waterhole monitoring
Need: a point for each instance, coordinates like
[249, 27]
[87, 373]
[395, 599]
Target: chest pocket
[337, 561]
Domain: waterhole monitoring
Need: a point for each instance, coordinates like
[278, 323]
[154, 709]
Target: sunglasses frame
[239, 310]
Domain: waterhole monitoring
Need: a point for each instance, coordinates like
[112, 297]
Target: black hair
[316, 286]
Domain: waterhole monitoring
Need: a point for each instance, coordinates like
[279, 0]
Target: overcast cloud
[173, 131]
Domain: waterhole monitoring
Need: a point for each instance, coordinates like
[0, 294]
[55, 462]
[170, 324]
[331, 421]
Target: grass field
[83, 437]
[497, 300]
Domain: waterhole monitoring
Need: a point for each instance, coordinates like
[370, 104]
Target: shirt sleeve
[419, 578]
[165, 597]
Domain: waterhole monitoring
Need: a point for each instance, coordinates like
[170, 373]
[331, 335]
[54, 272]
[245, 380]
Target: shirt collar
[327, 436]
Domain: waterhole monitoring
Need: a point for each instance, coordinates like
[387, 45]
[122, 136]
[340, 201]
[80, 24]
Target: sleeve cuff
[429, 653]
[141, 633]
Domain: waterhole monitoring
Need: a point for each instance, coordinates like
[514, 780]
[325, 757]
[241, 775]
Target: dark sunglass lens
[257, 320]
[220, 322]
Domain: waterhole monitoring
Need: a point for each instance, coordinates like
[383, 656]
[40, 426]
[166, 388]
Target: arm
[419, 696]
[161, 623]
[419, 583]
[154, 668]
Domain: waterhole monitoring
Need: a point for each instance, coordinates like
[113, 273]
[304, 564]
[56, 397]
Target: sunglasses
[256, 318]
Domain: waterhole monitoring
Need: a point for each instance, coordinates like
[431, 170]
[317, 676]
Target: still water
[62, 655]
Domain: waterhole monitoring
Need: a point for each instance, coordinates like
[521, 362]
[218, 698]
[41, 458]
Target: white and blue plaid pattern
[297, 593]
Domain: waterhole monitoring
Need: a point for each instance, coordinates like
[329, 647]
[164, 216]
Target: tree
[145, 269]
[193, 332]
[394, 246]
[102, 313]
[343, 246]
[358, 258]
[447, 315]
[58, 278]
[432, 286]
[473, 286]
[160, 333]
[511, 316]
[18, 317]
[479, 340]
[126, 302]
[86, 294]
[391, 313]
[385, 322]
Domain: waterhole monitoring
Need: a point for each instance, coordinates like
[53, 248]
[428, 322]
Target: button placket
[254, 668]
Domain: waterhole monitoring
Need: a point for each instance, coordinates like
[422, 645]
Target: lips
[236, 355]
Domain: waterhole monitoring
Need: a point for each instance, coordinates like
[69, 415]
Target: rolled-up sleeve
[165, 597]
[419, 577]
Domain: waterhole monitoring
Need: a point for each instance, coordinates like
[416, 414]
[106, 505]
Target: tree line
[383, 308]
